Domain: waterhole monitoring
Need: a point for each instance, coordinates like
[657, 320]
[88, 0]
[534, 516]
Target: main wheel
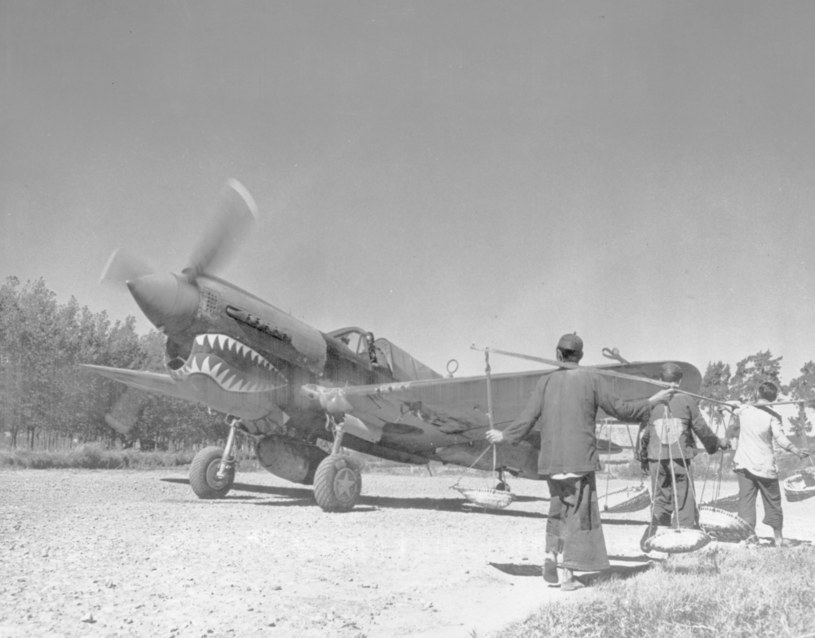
[337, 483]
[203, 474]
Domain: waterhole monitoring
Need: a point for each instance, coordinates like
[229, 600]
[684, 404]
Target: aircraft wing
[445, 419]
[143, 380]
[196, 389]
[438, 419]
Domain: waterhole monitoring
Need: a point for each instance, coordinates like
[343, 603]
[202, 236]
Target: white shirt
[755, 447]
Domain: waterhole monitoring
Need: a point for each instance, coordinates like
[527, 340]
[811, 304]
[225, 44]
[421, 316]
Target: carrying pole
[609, 373]
[620, 375]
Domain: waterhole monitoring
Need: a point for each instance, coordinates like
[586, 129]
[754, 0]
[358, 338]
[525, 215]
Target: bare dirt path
[135, 553]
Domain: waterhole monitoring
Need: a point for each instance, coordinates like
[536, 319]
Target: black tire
[337, 483]
[203, 469]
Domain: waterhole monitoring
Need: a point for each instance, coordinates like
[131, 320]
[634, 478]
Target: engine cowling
[289, 459]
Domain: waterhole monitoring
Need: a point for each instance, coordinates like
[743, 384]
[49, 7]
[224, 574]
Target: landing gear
[212, 471]
[337, 483]
[338, 480]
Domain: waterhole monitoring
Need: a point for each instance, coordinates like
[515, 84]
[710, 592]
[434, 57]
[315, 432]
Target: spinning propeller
[169, 300]
[234, 214]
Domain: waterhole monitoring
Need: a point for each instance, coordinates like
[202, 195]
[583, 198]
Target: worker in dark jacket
[670, 448]
[565, 403]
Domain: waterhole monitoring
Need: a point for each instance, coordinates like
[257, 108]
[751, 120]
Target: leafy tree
[754, 370]
[41, 390]
[803, 388]
[716, 381]
[31, 356]
[716, 385]
[93, 339]
[165, 421]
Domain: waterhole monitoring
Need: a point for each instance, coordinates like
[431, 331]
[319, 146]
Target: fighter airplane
[303, 395]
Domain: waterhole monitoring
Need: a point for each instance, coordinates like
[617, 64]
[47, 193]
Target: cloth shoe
[572, 585]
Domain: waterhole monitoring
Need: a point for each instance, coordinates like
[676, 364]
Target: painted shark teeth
[226, 376]
[215, 355]
[219, 343]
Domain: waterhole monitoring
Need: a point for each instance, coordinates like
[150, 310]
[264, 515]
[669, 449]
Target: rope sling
[797, 487]
[718, 523]
[675, 539]
[718, 480]
[488, 498]
[626, 499]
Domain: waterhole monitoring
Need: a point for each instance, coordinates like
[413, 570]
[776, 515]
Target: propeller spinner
[168, 300]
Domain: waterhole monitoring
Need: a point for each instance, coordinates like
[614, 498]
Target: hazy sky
[442, 173]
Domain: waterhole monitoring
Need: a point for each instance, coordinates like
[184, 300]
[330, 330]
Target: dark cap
[570, 342]
[670, 372]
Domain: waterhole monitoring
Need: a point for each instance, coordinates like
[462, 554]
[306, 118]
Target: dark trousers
[573, 527]
[671, 480]
[750, 486]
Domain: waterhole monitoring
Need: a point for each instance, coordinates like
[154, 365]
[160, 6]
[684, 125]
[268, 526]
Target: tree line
[47, 400]
[722, 384]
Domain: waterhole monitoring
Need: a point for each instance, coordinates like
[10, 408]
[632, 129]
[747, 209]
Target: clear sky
[442, 172]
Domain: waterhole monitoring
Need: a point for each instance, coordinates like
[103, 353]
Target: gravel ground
[135, 553]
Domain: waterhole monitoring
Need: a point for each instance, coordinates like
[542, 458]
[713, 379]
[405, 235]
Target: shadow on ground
[638, 565]
[304, 497]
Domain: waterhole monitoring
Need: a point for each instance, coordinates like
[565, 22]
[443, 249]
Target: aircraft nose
[167, 300]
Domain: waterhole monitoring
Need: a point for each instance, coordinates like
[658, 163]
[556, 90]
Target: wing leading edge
[198, 388]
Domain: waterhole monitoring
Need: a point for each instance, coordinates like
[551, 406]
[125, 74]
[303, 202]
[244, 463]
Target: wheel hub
[345, 482]
[216, 480]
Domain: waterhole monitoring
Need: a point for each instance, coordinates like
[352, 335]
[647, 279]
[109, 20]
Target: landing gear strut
[212, 471]
[338, 480]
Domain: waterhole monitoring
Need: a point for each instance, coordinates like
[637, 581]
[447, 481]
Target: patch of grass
[729, 593]
[93, 456]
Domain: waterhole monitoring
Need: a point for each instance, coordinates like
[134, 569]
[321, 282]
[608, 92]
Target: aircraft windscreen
[403, 366]
[354, 341]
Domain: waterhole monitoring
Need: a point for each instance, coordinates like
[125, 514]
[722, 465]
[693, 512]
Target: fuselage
[243, 356]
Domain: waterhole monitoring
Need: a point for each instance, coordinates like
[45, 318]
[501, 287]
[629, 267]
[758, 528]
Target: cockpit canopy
[403, 367]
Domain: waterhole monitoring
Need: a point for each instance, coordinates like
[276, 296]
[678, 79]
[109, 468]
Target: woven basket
[627, 499]
[677, 541]
[724, 526]
[801, 485]
[486, 497]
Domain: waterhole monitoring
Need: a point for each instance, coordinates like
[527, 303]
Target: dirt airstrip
[135, 553]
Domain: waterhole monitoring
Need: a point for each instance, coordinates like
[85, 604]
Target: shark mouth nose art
[233, 365]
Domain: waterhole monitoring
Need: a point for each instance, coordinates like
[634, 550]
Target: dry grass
[726, 593]
[92, 457]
